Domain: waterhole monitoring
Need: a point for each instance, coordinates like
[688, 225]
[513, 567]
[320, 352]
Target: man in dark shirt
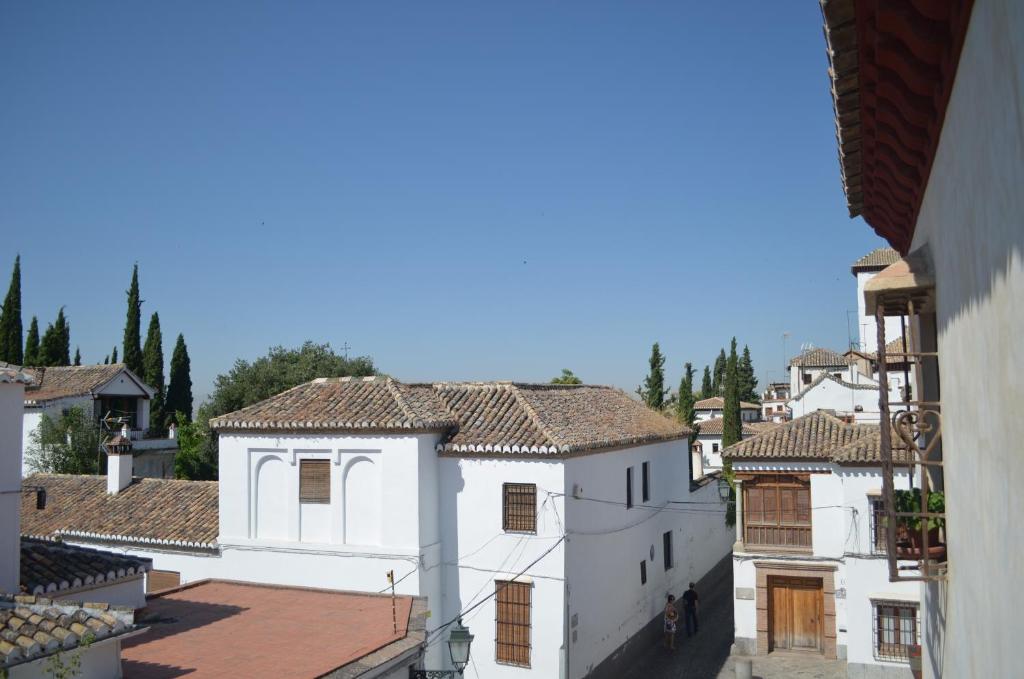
[690, 609]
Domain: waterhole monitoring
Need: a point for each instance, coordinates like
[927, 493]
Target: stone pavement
[706, 654]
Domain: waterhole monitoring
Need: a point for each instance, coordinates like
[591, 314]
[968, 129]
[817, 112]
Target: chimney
[119, 464]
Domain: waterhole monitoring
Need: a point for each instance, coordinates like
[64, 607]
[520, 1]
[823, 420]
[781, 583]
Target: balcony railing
[777, 537]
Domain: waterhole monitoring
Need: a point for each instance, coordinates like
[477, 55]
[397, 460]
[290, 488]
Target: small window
[807, 378]
[315, 482]
[666, 543]
[643, 572]
[512, 620]
[714, 447]
[519, 511]
[778, 409]
[895, 630]
[629, 487]
[877, 525]
[646, 481]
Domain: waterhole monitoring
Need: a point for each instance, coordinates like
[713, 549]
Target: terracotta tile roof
[819, 357]
[14, 373]
[477, 417]
[867, 449]
[49, 566]
[168, 512]
[75, 380]
[344, 403]
[714, 426]
[718, 403]
[217, 628]
[828, 376]
[876, 260]
[816, 436]
[33, 627]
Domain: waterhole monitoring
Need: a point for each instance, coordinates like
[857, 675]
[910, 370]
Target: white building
[850, 401]
[812, 362]
[864, 269]
[957, 216]
[710, 408]
[708, 443]
[100, 391]
[809, 565]
[533, 495]
[773, 402]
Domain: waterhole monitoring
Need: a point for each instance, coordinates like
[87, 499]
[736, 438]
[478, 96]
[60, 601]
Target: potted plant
[910, 542]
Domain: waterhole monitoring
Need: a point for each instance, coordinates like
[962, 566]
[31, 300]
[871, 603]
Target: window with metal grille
[315, 482]
[629, 487]
[877, 525]
[512, 616]
[519, 510]
[896, 629]
[666, 543]
[646, 481]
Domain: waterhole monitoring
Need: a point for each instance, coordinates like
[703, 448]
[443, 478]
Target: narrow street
[706, 654]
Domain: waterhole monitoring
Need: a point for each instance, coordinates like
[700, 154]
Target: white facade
[746, 414]
[11, 392]
[866, 325]
[844, 398]
[842, 540]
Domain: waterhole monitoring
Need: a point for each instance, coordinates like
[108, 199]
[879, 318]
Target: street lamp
[459, 640]
[724, 489]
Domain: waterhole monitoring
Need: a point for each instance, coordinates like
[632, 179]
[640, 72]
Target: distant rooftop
[49, 384]
[876, 260]
[819, 357]
[718, 403]
[49, 567]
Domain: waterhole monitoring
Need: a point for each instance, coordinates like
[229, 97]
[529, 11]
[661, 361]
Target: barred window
[519, 510]
[512, 615]
[895, 630]
[877, 525]
[315, 482]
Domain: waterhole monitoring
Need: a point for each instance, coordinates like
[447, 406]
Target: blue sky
[460, 190]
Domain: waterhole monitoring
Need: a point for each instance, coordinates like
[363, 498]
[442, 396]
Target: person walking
[690, 603]
[671, 617]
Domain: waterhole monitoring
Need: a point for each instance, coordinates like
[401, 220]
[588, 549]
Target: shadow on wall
[449, 528]
[935, 626]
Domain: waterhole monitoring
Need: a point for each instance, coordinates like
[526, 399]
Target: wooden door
[795, 614]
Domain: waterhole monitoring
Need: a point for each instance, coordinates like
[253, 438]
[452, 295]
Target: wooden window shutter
[519, 507]
[512, 615]
[315, 482]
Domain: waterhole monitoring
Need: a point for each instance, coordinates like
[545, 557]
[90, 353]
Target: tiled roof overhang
[892, 64]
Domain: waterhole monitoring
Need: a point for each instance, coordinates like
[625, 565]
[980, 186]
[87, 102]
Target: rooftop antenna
[345, 347]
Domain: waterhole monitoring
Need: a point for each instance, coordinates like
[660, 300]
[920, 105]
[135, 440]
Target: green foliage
[567, 377]
[685, 400]
[10, 319]
[132, 327]
[55, 347]
[67, 445]
[113, 355]
[179, 387]
[718, 377]
[58, 669]
[732, 425]
[748, 383]
[153, 371]
[706, 389]
[653, 390]
[196, 459]
[31, 355]
[78, 357]
[910, 501]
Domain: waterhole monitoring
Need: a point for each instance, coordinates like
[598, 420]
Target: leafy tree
[732, 426]
[718, 378]
[78, 357]
[653, 390]
[31, 356]
[55, 347]
[748, 383]
[706, 389]
[10, 319]
[153, 371]
[69, 444]
[193, 460]
[567, 377]
[132, 342]
[685, 402]
[179, 387]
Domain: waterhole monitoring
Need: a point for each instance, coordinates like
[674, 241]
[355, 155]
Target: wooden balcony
[774, 536]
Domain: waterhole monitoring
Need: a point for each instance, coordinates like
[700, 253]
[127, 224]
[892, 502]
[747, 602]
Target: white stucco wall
[866, 325]
[11, 399]
[607, 542]
[100, 660]
[128, 591]
[971, 219]
[829, 395]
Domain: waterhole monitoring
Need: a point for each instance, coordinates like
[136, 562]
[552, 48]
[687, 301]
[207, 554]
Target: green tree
[706, 389]
[653, 390]
[732, 426]
[10, 319]
[567, 377]
[179, 386]
[78, 357]
[55, 347]
[748, 382]
[153, 371]
[69, 444]
[718, 377]
[193, 460]
[685, 399]
[113, 355]
[31, 356]
[132, 327]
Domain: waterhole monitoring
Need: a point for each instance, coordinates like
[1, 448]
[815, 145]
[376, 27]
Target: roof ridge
[396, 393]
[535, 417]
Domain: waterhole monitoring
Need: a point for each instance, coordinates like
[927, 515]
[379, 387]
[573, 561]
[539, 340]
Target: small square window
[519, 510]
[714, 447]
[315, 482]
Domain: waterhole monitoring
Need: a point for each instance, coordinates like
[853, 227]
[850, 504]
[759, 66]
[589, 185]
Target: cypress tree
[706, 389]
[106, 360]
[78, 357]
[179, 387]
[153, 362]
[55, 347]
[31, 356]
[10, 319]
[732, 426]
[113, 355]
[653, 390]
[718, 380]
[686, 399]
[748, 383]
[132, 327]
